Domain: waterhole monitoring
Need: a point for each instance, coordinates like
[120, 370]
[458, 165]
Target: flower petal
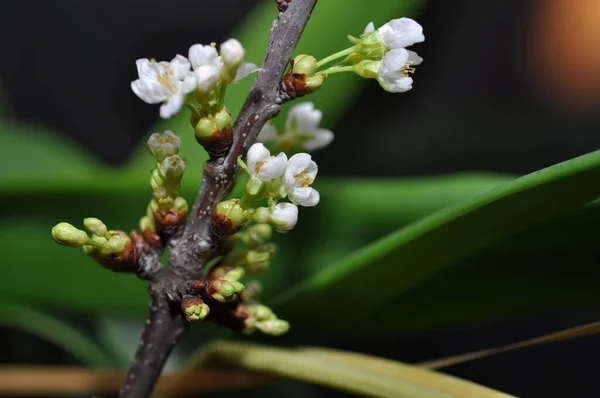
[304, 118]
[321, 139]
[200, 55]
[285, 213]
[305, 196]
[273, 167]
[414, 58]
[232, 52]
[149, 90]
[298, 163]
[370, 28]
[244, 70]
[207, 77]
[172, 106]
[257, 153]
[180, 66]
[401, 32]
[144, 68]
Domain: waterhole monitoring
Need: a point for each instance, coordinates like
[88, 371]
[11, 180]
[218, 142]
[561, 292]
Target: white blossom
[370, 28]
[173, 165]
[397, 65]
[167, 141]
[232, 52]
[206, 64]
[166, 82]
[304, 120]
[299, 175]
[401, 33]
[264, 166]
[284, 216]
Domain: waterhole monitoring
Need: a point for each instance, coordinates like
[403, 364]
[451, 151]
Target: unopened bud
[368, 69]
[95, 226]
[163, 144]
[305, 64]
[257, 234]
[157, 184]
[67, 235]
[234, 275]
[228, 217]
[258, 260]
[215, 132]
[222, 290]
[117, 243]
[260, 312]
[275, 327]
[180, 204]
[232, 53]
[172, 170]
[195, 309]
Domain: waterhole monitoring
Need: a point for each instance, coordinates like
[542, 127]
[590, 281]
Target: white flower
[166, 82]
[401, 33]
[167, 141]
[206, 64]
[299, 175]
[264, 166]
[397, 65]
[232, 52]
[370, 28]
[304, 119]
[173, 165]
[284, 216]
[302, 129]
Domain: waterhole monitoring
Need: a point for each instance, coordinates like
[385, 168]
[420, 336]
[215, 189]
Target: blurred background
[506, 88]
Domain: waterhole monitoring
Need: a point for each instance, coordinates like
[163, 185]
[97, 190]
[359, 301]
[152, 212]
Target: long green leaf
[356, 373]
[379, 273]
[57, 332]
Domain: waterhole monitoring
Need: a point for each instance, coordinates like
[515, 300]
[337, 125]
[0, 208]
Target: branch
[262, 104]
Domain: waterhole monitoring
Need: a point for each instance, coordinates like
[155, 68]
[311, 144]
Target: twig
[191, 249]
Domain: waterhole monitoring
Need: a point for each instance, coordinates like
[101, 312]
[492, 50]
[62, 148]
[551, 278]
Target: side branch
[262, 104]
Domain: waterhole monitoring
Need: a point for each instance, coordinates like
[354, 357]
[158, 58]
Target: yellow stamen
[408, 69]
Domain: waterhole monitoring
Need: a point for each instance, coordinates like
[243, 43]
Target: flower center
[165, 78]
[303, 179]
[408, 69]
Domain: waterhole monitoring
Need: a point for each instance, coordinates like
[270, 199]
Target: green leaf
[381, 272]
[351, 372]
[67, 278]
[55, 331]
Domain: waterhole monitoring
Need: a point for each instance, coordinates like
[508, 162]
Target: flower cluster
[204, 69]
[301, 130]
[398, 62]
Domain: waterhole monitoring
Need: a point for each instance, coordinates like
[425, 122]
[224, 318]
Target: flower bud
[157, 184]
[67, 235]
[232, 53]
[117, 243]
[284, 216]
[223, 291]
[258, 260]
[260, 312]
[163, 144]
[305, 64]
[95, 226]
[195, 309]
[257, 234]
[228, 217]
[172, 170]
[215, 132]
[234, 275]
[368, 69]
[180, 205]
[275, 327]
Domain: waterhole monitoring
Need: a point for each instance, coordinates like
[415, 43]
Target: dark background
[509, 86]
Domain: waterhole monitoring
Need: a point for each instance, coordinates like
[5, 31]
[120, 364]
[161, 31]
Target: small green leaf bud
[228, 217]
[261, 312]
[234, 275]
[256, 234]
[180, 204]
[275, 327]
[95, 226]
[215, 132]
[258, 260]
[147, 224]
[195, 309]
[67, 235]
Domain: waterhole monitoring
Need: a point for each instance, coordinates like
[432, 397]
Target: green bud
[315, 82]
[261, 312]
[258, 260]
[180, 204]
[95, 226]
[225, 290]
[371, 46]
[147, 224]
[261, 215]
[196, 312]
[117, 243]
[257, 234]
[99, 241]
[157, 184]
[254, 185]
[67, 235]
[205, 127]
[305, 64]
[172, 171]
[229, 217]
[275, 327]
[234, 275]
[223, 120]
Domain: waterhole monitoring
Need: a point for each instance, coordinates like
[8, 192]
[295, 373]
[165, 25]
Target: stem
[193, 109]
[222, 91]
[338, 69]
[335, 56]
[164, 327]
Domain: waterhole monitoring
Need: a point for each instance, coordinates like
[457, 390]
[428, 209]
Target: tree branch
[262, 104]
[198, 244]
